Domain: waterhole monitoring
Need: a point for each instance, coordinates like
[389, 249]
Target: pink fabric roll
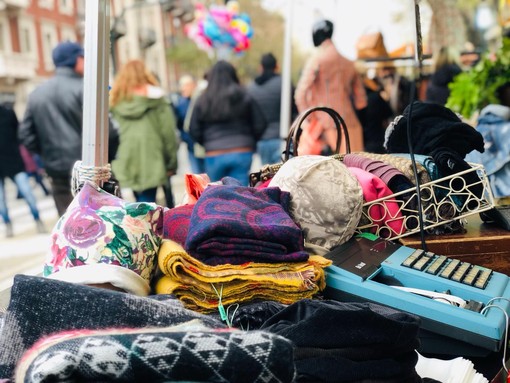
[378, 168]
[385, 213]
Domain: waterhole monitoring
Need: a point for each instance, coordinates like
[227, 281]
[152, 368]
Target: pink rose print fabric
[100, 231]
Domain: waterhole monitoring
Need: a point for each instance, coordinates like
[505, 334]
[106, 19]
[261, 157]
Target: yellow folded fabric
[201, 301]
[198, 285]
[174, 261]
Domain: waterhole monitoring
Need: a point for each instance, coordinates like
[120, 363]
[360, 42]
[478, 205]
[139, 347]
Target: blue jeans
[147, 195]
[22, 182]
[270, 151]
[235, 165]
[197, 165]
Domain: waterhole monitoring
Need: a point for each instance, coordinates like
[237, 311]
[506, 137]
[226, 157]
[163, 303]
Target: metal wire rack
[444, 200]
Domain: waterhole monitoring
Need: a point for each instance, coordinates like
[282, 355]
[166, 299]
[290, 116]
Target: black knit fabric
[433, 126]
[349, 342]
[41, 306]
[252, 315]
[175, 354]
[438, 132]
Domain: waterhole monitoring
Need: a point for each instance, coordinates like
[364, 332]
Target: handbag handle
[296, 130]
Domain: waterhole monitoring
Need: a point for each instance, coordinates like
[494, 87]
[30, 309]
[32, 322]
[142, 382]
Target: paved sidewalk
[25, 252]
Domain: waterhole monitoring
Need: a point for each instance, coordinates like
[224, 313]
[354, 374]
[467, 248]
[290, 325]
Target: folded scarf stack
[187, 352]
[236, 224]
[202, 287]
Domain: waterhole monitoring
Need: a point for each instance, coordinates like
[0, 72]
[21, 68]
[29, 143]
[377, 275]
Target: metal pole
[418, 42]
[286, 73]
[95, 91]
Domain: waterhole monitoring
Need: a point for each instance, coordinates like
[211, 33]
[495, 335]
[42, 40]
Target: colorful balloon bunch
[220, 27]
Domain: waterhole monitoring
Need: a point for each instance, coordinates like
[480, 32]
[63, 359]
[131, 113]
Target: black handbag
[292, 143]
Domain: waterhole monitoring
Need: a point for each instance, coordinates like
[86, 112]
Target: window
[49, 41]
[48, 4]
[47, 44]
[24, 40]
[2, 36]
[68, 34]
[66, 7]
[27, 42]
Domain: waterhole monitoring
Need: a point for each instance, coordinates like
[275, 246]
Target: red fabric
[385, 213]
[28, 160]
[311, 141]
[264, 184]
[195, 185]
[176, 223]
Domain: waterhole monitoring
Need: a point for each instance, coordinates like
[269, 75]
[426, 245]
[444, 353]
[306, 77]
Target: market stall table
[483, 244]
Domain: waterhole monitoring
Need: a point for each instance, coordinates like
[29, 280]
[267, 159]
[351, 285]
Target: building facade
[141, 33]
[30, 29]
[145, 30]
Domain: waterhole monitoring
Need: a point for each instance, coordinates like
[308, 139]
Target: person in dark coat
[181, 105]
[52, 124]
[266, 90]
[446, 67]
[228, 123]
[376, 117]
[13, 167]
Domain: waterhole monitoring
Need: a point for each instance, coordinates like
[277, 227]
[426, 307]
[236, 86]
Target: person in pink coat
[330, 79]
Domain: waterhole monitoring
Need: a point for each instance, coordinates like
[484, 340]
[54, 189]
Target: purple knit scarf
[236, 224]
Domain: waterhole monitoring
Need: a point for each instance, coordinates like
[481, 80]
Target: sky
[351, 19]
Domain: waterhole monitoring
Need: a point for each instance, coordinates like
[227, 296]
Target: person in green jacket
[147, 153]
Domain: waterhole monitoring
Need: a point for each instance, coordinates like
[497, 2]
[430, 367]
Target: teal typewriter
[463, 307]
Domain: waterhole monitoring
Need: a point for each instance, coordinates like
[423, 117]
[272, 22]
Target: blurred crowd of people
[222, 121]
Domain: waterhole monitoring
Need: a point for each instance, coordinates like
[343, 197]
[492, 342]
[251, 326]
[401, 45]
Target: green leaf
[473, 90]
